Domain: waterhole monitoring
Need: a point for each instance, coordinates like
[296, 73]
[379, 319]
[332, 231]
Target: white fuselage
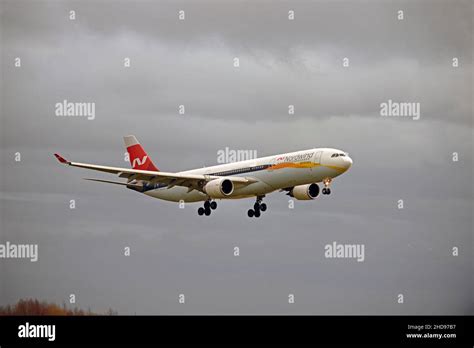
[271, 173]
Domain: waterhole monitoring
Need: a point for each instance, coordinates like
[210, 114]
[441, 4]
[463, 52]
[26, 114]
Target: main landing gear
[326, 190]
[257, 208]
[208, 207]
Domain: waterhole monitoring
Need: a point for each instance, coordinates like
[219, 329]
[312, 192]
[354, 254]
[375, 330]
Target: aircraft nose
[347, 162]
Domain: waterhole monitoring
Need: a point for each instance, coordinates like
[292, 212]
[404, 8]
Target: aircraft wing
[192, 181]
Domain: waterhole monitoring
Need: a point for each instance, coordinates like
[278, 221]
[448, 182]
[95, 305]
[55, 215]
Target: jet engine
[305, 192]
[219, 188]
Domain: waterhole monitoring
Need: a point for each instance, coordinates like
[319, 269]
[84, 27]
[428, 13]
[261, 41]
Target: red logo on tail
[139, 159]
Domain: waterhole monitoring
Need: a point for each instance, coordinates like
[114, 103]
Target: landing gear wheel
[258, 207]
[207, 211]
[326, 190]
[213, 205]
[201, 211]
[207, 204]
[250, 213]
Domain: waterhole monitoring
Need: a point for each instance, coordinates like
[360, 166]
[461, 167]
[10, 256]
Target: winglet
[61, 159]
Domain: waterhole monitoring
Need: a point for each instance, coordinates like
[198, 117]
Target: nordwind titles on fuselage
[297, 158]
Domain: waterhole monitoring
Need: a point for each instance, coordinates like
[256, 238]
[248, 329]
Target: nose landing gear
[258, 207]
[208, 207]
[326, 190]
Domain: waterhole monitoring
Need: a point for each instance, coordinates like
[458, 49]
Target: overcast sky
[282, 62]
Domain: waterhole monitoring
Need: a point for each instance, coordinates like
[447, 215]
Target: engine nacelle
[219, 188]
[305, 192]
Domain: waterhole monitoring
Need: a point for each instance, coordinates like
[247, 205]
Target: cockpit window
[338, 154]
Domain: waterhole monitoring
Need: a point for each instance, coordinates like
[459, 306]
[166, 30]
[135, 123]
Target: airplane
[296, 173]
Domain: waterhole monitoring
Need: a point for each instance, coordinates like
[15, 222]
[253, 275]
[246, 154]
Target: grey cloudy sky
[282, 62]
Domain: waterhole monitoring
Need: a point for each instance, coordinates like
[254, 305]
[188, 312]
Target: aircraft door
[317, 157]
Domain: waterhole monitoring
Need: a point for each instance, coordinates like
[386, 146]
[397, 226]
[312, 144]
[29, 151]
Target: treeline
[35, 307]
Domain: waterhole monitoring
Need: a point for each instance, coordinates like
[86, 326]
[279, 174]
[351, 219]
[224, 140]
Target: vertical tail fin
[138, 157]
